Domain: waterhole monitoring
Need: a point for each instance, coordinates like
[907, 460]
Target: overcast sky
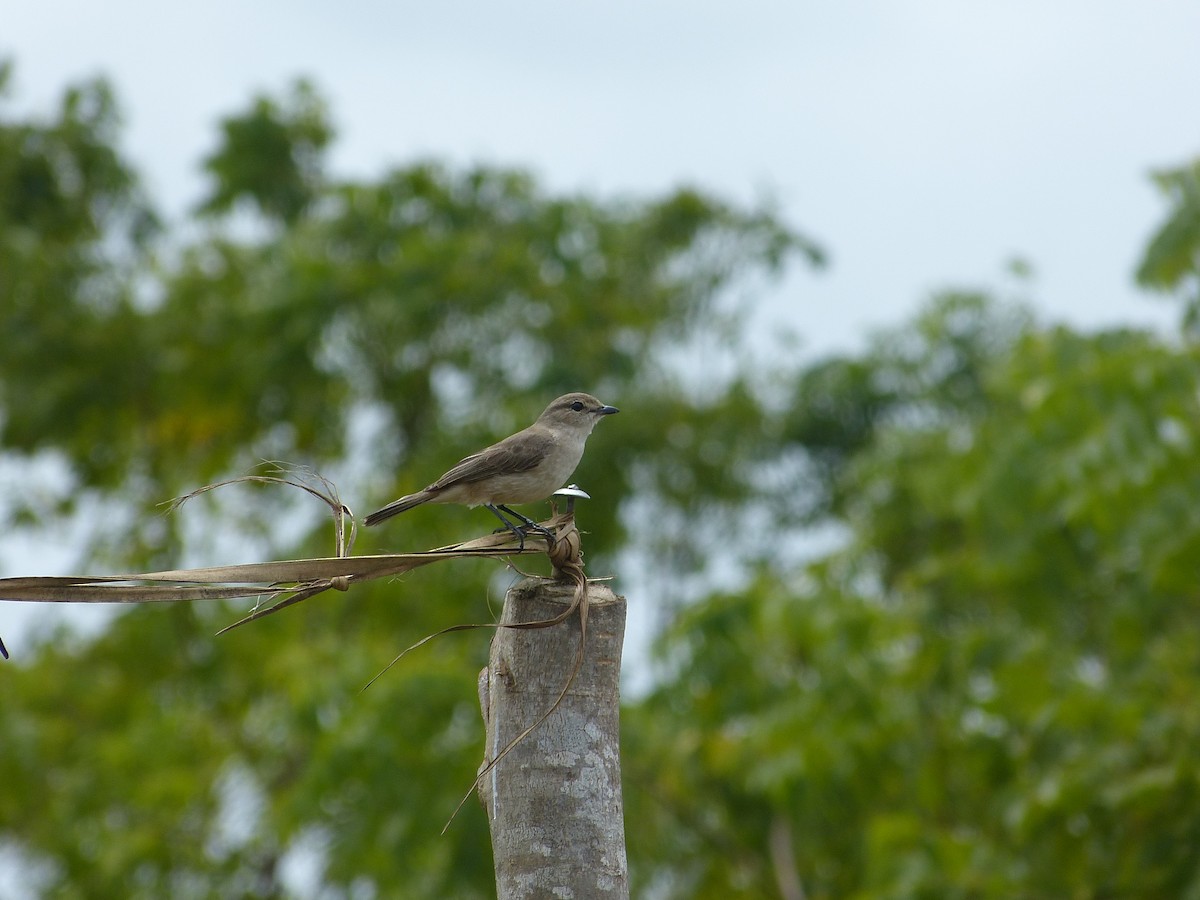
[923, 143]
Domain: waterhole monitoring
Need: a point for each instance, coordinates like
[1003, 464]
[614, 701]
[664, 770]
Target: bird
[523, 468]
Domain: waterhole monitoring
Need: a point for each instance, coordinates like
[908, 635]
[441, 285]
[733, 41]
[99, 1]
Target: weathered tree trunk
[554, 802]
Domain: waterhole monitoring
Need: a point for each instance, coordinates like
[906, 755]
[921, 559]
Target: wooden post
[554, 802]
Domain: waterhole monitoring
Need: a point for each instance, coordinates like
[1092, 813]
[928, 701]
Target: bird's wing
[517, 453]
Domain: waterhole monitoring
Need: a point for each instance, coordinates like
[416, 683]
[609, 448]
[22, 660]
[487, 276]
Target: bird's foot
[550, 535]
[522, 530]
[518, 532]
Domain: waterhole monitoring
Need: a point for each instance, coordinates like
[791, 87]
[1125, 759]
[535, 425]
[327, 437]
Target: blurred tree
[373, 327]
[1171, 261]
[989, 691]
[271, 156]
[986, 691]
[74, 233]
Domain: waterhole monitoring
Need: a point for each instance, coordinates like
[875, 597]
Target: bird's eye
[577, 406]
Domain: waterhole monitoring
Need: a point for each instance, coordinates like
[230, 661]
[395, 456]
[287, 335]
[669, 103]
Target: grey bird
[523, 468]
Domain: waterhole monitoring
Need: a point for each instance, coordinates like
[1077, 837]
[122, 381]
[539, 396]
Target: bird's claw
[522, 531]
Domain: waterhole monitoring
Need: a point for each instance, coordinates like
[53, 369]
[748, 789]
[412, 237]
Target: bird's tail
[396, 507]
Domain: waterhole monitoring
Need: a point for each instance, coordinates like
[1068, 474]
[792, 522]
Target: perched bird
[523, 468]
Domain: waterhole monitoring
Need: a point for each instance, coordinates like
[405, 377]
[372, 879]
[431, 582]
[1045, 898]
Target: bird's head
[576, 411]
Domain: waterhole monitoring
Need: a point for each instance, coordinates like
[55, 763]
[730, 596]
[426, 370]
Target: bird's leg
[507, 524]
[529, 523]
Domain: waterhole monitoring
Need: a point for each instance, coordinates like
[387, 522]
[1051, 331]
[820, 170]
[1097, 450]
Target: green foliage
[987, 690]
[158, 761]
[927, 373]
[1171, 262]
[442, 306]
[74, 229]
[374, 327]
[271, 156]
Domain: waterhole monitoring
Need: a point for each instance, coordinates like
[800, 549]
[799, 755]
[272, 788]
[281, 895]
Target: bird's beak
[607, 410]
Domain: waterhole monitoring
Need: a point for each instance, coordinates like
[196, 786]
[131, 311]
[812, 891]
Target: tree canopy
[985, 690]
[989, 690]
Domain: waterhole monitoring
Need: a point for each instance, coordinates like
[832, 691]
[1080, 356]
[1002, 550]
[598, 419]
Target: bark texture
[554, 801]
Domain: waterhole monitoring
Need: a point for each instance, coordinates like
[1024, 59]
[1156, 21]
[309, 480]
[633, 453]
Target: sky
[923, 143]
